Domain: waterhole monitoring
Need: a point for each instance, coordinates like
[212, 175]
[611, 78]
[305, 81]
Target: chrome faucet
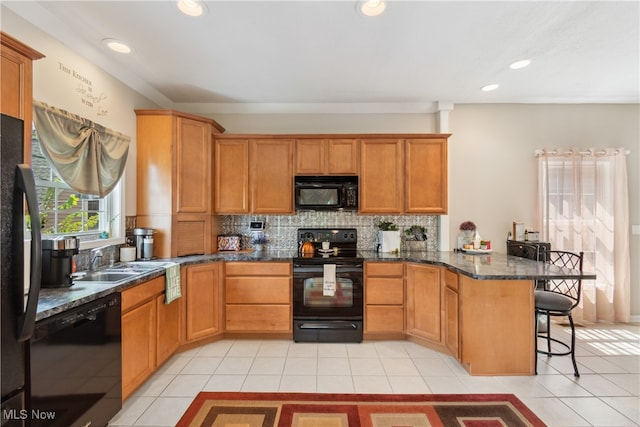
[96, 256]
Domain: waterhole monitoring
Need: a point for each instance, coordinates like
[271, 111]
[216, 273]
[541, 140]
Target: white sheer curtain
[583, 204]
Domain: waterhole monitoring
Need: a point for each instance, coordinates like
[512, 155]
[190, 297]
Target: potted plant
[468, 229]
[416, 238]
[258, 242]
[388, 237]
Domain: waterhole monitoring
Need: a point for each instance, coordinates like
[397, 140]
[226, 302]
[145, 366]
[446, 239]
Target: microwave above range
[326, 193]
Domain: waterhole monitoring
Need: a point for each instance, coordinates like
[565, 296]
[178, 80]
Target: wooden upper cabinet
[342, 156]
[231, 173]
[174, 180]
[398, 173]
[310, 156]
[193, 159]
[426, 176]
[381, 175]
[326, 157]
[271, 178]
[16, 90]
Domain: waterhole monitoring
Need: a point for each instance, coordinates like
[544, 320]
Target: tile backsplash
[281, 229]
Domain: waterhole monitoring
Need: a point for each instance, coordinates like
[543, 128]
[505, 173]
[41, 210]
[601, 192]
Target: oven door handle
[334, 325]
[343, 268]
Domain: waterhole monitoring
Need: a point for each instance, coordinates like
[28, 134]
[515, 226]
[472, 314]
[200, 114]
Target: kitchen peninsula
[478, 308]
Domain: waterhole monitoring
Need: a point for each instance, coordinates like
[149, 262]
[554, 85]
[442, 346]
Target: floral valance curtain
[88, 157]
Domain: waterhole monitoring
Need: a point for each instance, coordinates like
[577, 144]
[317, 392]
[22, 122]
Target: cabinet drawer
[258, 269]
[384, 269]
[258, 318]
[451, 279]
[384, 319]
[258, 290]
[136, 295]
[384, 290]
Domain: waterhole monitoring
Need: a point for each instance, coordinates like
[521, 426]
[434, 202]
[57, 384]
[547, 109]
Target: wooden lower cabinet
[203, 300]
[258, 318]
[138, 346]
[497, 327]
[423, 302]
[139, 333]
[168, 333]
[258, 297]
[451, 313]
[384, 299]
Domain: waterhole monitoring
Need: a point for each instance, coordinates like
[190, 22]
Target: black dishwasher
[76, 366]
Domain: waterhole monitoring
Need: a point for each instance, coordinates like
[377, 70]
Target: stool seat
[552, 301]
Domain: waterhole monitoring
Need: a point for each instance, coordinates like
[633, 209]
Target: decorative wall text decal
[84, 87]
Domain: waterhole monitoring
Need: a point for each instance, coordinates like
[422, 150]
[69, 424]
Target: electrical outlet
[635, 229]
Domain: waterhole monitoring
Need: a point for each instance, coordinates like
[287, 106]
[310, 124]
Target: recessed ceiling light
[117, 45]
[489, 88]
[192, 7]
[372, 7]
[520, 64]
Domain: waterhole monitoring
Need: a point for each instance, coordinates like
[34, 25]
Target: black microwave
[326, 193]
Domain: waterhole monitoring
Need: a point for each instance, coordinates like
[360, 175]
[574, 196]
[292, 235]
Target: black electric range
[333, 313]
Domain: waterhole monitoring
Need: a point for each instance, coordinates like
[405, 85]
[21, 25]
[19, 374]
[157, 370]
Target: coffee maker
[143, 239]
[57, 261]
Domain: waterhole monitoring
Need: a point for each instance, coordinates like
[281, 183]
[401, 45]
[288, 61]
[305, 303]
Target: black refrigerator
[17, 200]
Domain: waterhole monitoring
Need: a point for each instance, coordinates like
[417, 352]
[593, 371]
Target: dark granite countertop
[493, 266]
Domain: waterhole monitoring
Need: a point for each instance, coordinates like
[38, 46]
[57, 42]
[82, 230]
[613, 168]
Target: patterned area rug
[210, 409]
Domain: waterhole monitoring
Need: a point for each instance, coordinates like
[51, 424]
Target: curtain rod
[540, 152]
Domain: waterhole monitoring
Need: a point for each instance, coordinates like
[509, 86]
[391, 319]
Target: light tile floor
[606, 394]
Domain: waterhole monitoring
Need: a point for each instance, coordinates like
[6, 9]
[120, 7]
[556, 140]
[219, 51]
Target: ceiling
[324, 56]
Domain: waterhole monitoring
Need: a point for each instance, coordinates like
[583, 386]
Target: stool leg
[535, 337]
[573, 347]
[548, 334]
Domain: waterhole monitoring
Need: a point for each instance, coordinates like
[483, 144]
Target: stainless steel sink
[138, 266]
[106, 276]
[120, 273]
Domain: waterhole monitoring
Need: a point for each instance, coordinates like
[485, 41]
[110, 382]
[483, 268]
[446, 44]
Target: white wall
[65, 80]
[492, 167]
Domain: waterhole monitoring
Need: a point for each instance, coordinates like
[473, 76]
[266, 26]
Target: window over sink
[64, 211]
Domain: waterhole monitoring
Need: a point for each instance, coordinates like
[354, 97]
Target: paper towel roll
[127, 254]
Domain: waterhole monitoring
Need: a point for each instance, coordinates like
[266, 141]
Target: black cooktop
[342, 245]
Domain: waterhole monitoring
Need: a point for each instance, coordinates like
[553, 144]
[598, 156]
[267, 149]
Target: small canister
[127, 253]
[147, 248]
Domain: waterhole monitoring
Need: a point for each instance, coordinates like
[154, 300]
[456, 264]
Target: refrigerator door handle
[25, 183]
